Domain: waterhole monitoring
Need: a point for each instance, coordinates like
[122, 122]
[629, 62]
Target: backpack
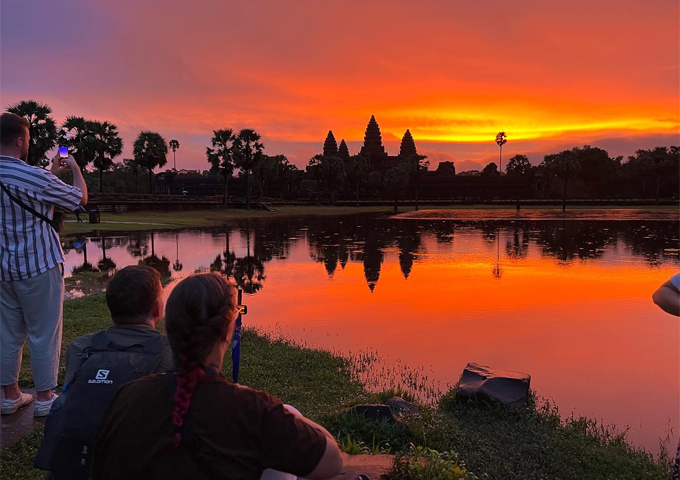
[71, 426]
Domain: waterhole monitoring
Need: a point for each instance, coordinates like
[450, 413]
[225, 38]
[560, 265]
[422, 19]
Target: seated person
[135, 299]
[97, 364]
[194, 423]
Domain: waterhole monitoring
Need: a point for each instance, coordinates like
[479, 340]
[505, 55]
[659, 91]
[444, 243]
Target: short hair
[12, 127]
[132, 293]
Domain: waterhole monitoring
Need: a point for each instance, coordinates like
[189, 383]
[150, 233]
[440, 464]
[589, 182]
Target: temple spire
[330, 146]
[408, 146]
[373, 147]
[343, 151]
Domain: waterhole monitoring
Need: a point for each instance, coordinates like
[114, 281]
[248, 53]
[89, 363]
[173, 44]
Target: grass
[475, 439]
[168, 220]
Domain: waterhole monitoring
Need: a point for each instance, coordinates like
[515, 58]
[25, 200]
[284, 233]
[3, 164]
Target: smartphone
[63, 151]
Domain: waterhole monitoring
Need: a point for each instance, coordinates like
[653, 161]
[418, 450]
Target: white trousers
[32, 308]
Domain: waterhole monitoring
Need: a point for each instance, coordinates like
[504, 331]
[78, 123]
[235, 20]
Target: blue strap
[236, 349]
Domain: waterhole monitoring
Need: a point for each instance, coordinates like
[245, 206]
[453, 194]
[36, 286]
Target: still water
[568, 302]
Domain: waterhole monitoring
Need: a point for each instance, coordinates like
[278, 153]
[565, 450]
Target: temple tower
[373, 147]
[330, 146]
[408, 146]
[343, 151]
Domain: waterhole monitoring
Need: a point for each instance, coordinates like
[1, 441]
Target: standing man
[31, 270]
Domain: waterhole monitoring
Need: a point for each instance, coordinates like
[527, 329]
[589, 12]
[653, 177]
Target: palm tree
[76, 134]
[396, 182]
[500, 141]
[518, 168]
[150, 151]
[221, 156]
[42, 128]
[247, 153]
[356, 171]
[174, 145]
[106, 144]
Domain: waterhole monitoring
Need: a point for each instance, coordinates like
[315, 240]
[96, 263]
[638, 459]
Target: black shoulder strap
[26, 207]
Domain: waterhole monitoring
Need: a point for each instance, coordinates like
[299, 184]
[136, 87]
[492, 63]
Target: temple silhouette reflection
[371, 241]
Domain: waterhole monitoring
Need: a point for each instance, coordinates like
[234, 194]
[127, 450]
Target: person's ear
[157, 311]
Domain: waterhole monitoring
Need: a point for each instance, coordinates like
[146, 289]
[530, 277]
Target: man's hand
[60, 165]
[57, 166]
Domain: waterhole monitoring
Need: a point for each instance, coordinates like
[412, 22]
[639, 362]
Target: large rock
[509, 388]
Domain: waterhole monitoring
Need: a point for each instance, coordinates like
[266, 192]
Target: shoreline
[490, 439]
[169, 220]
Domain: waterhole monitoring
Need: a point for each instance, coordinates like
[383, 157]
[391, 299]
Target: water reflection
[567, 301]
[335, 241]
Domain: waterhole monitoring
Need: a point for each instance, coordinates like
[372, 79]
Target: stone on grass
[374, 412]
[401, 406]
[509, 388]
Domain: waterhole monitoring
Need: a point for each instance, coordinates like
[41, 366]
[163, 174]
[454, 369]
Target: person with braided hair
[196, 424]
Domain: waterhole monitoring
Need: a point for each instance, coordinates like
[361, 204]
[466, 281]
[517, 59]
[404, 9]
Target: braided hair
[199, 314]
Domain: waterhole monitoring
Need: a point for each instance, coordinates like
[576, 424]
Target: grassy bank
[493, 441]
[169, 220]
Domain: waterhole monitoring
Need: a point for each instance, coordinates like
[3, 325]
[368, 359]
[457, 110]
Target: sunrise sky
[551, 74]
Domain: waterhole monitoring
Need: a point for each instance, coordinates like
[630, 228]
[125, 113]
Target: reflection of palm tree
[161, 264]
[177, 266]
[249, 271]
[497, 271]
[408, 244]
[86, 266]
[105, 264]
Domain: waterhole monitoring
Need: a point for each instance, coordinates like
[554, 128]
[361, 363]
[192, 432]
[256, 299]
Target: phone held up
[63, 153]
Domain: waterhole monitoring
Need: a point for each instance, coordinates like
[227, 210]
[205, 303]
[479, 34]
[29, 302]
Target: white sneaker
[11, 406]
[42, 409]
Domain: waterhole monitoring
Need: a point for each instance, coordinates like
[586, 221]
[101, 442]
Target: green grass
[168, 220]
[492, 441]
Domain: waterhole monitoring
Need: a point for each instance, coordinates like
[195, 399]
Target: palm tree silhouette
[174, 145]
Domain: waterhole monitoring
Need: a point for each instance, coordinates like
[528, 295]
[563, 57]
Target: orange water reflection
[571, 305]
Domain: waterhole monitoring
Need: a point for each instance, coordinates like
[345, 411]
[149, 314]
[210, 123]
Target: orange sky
[552, 75]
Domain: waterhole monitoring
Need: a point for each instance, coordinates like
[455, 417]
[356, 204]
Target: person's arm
[667, 297]
[62, 194]
[331, 462]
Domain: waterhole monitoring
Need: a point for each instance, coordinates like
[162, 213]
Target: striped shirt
[28, 245]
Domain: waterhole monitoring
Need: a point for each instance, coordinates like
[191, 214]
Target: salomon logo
[101, 377]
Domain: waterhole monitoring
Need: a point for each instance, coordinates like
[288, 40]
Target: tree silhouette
[76, 133]
[174, 146]
[333, 173]
[42, 128]
[134, 168]
[565, 166]
[150, 151]
[490, 170]
[314, 166]
[249, 271]
[106, 144]
[396, 182]
[518, 168]
[247, 154]
[657, 162]
[221, 156]
[356, 167]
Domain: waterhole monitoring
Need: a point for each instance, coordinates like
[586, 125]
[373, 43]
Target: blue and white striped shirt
[28, 245]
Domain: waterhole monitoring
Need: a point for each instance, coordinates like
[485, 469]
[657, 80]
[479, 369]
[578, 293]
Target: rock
[374, 412]
[401, 406]
[509, 388]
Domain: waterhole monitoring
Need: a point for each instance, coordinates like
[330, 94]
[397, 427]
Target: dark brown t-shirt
[242, 431]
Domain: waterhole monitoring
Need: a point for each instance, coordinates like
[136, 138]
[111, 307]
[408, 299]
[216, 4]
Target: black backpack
[71, 426]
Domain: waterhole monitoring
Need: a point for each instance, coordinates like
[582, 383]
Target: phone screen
[63, 152]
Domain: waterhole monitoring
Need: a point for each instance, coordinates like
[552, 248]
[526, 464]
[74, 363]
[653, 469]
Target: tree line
[335, 172]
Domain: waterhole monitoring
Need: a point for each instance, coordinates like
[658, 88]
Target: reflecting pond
[568, 301]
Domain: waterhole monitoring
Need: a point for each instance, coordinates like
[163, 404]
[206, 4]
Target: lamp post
[500, 140]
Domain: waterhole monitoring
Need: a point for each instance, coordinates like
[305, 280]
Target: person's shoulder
[82, 342]
[248, 398]
[675, 280]
[24, 172]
